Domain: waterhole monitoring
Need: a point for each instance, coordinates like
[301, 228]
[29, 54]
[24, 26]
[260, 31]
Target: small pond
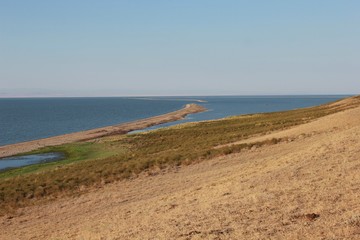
[20, 161]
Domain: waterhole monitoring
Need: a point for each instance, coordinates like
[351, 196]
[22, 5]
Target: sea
[25, 119]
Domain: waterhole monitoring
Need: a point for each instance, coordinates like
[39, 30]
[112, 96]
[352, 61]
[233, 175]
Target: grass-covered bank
[118, 157]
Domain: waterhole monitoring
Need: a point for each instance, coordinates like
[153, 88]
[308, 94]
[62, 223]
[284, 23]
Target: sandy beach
[9, 150]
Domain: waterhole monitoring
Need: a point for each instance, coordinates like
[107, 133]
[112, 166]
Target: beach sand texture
[123, 128]
[304, 188]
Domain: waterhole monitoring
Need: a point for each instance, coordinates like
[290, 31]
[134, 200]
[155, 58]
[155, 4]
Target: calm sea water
[29, 119]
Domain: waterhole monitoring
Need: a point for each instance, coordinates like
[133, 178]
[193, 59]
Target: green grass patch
[72, 153]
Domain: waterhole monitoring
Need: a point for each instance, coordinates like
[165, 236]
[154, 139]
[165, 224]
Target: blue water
[29, 119]
[20, 161]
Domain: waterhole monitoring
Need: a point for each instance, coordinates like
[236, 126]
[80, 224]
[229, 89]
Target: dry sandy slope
[259, 194]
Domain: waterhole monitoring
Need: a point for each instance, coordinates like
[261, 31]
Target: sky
[179, 47]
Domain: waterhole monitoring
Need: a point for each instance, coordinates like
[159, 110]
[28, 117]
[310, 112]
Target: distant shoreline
[23, 147]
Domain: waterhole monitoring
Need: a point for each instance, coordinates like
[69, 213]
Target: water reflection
[20, 161]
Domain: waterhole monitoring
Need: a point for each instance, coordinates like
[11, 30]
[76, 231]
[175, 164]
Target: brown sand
[18, 148]
[306, 188]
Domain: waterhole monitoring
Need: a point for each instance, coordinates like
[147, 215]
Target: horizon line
[201, 95]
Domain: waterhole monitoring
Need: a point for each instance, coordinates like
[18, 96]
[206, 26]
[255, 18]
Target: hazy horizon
[145, 96]
[178, 48]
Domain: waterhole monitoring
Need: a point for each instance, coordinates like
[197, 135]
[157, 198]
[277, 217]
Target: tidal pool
[20, 161]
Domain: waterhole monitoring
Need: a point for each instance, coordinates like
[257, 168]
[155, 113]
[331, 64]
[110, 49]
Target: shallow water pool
[20, 161]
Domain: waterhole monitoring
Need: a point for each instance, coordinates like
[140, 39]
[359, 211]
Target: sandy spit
[12, 149]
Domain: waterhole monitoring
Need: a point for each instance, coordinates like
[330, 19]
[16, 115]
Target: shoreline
[123, 128]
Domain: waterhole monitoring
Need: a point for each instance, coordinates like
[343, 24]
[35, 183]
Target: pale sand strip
[9, 150]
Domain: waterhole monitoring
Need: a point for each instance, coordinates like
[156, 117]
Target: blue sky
[183, 47]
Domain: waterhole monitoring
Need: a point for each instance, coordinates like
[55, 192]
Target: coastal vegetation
[104, 160]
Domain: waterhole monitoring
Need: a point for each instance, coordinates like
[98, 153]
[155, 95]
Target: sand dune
[306, 188]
